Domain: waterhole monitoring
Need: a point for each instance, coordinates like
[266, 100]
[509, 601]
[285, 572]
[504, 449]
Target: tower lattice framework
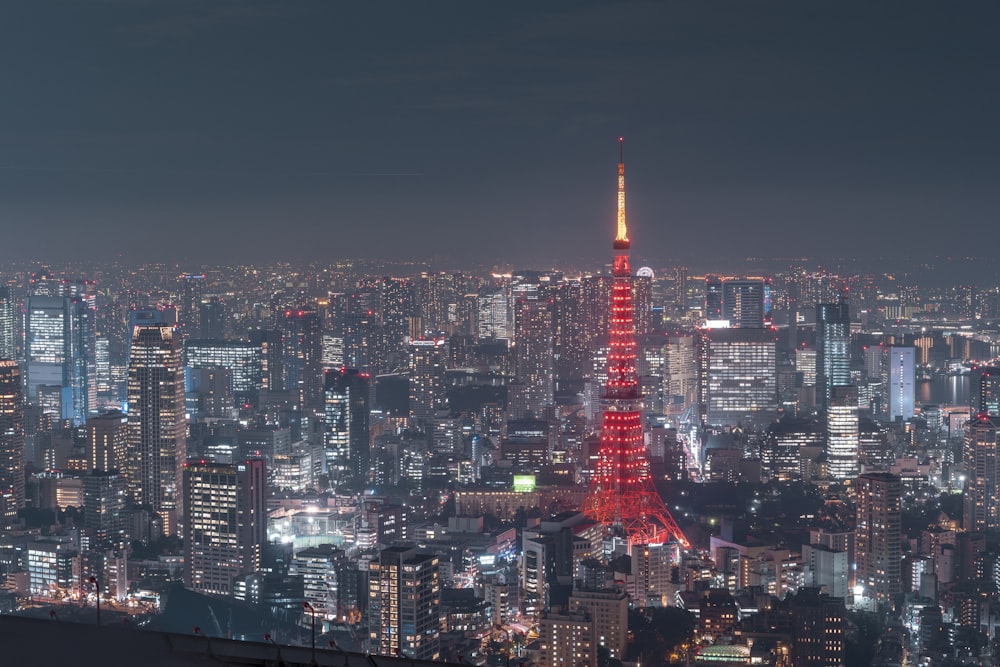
[622, 494]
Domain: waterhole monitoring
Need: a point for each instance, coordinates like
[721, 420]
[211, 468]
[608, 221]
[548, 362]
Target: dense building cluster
[405, 455]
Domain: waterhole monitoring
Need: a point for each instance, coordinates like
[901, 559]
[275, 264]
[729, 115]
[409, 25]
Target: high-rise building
[269, 342]
[743, 303]
[533, 352]
[842, 433]
[346, 442]
[11, 442]
[985, 391]
[981, 497]
[680, 373]
[321, 568]
[225, 522]
[60, 341]
[833, 340]
[107, 442]
[494, 320]
[427, 365]
[713, 298]
[212, 318]
[8, 330]
[738, 375]
[878, 545]
[190, 289]
[244, 361]
[303, 355]
[902, 379]
[104, 502]
[622, 495]
[818, 629]
[609, 611]
[157, 426]
[404, 597]
[566, 639]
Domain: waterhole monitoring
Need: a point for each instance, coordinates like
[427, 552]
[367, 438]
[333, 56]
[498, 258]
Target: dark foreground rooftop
[28, 641]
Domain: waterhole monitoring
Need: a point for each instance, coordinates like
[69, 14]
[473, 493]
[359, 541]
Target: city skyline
[268, 130]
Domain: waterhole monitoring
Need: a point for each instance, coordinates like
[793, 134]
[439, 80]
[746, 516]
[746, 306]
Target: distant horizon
[942, 270]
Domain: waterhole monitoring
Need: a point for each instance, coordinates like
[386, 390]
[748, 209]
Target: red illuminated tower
[622, 495]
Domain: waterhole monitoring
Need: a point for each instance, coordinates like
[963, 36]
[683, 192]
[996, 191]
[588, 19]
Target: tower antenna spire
[621, 237]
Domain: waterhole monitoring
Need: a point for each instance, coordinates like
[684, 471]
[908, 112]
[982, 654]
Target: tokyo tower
[622, 495]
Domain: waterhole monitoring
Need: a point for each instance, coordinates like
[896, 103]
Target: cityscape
[788, 469]
[581, 335]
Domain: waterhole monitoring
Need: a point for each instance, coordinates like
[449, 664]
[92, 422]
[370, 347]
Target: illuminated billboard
[524, 483]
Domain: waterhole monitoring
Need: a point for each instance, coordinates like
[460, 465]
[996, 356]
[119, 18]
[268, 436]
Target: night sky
[473, 132]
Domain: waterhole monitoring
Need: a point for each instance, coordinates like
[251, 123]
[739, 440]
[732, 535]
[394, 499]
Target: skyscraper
[244, 361]
[303, 355]
[225, 522]
[902, 378]
[533, 352]
[738, 375]
[743, 303]
[157, 427]
[494, 320]
[347, 401]
[622, 495]
[427, 364]
[104, 504]
[8, 340]
[404, 595]
[981, 497]
[985, 391]
[842, 434]
[833, 339]
[878, 546]
[107, 442]
[61, 344]
[713, 298]
[11, 442]
[190, 288]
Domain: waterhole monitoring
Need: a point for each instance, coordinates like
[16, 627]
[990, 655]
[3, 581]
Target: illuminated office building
[157, 427]
[190, 289]
[737, 375]
[743, 303]
[242, 359]
[225, 522]
[533, 353]
[404, 595]
[902, 378]
[60, 341]
[878, 546]
[427, 364]
[842, 436]
[347, 401]
[981, 497]
[833, 339]
[107, 442]
[11, 442]
[104, 503]
[494, 320]
[985, 391]
[713, 298]
[8, 330]
[303, 355]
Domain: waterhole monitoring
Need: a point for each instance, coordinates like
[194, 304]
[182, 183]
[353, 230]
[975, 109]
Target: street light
[312, 612]
[97, 586]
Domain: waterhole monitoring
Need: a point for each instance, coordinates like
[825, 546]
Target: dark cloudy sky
[214, 130]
